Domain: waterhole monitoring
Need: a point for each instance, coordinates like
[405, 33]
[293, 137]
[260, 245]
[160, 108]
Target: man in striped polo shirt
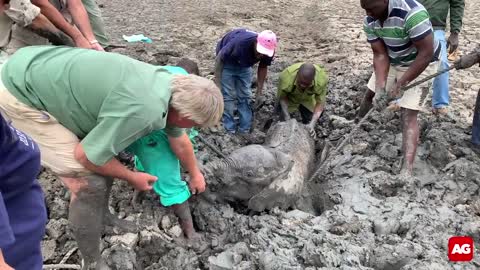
[401, 37]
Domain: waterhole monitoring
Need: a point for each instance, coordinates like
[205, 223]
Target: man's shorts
[57, 143]
[414, 98]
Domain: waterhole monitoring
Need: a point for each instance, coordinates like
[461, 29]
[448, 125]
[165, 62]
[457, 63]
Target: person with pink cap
[237, 52]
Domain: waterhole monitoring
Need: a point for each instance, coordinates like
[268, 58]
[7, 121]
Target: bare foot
[196, 241]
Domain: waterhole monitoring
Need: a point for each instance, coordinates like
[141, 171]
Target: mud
[366, 217]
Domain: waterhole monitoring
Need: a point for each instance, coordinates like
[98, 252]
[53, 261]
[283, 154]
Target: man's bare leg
[409, 139]
[111, 219]
[86, 215]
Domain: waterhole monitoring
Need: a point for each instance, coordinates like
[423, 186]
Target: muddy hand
[311, 130]
[142, 181]
[380, 101]
[468, 60]
[452, 42]
[197, 184]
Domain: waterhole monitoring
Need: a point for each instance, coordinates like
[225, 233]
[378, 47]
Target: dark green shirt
[438, 10]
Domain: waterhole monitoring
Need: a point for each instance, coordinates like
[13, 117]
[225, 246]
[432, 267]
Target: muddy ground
[366, 217]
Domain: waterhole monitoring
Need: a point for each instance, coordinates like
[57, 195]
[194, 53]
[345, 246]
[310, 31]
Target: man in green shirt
[438, 11]
[303, 87]
[83, 107]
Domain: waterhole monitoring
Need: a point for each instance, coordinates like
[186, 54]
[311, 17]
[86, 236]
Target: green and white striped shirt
[407, 21]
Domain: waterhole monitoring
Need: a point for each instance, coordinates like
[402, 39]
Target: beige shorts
[57, 144]
[414, 98]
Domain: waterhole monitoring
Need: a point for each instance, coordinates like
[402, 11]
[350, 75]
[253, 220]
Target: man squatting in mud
[401, 36]
[237, 52]
[303, 87]
[112, 101]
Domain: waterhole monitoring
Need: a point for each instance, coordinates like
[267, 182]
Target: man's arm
[59, 21]
[81, 20]
[284, 107]
[113, 168]
[44, 28]
[285, 84]
[317, 111]
[456, 17]
[261, 76]
[218, 71]
[183, 149]
[424, 57]
[381, 64]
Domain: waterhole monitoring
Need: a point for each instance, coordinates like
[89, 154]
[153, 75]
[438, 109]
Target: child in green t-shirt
[154, 156]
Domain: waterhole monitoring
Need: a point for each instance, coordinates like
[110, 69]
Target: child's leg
[182, 211]
[158, 159]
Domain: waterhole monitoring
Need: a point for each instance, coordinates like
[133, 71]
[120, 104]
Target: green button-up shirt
[438, 10]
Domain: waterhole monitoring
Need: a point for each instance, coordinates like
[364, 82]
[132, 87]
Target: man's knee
[89, 186]
[410, 115]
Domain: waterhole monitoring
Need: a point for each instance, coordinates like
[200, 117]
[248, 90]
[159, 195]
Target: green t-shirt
[309, 97]
[108, 100]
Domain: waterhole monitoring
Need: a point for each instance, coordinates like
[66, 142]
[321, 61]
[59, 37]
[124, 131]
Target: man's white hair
[197, 99]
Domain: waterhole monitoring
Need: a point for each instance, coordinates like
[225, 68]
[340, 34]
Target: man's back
[237, 48]
[79, 86]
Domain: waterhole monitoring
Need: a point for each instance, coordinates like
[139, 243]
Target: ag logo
[460, 249]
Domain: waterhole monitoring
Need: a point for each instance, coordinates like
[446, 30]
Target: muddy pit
[365, 216]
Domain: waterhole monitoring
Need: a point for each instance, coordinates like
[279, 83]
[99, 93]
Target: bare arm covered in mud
[183, 149]
[59, 21]
[317, 112]
[113, 168]
[381, 64]
[284, 107]
[423, 59]
[44, 28]
[261, 76]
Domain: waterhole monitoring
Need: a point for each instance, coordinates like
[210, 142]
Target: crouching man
[303, 87]
[83, 107]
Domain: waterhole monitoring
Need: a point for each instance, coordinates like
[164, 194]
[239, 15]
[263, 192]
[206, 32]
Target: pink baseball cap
[266, 43]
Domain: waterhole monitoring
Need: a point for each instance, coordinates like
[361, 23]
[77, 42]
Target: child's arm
[183, 149]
